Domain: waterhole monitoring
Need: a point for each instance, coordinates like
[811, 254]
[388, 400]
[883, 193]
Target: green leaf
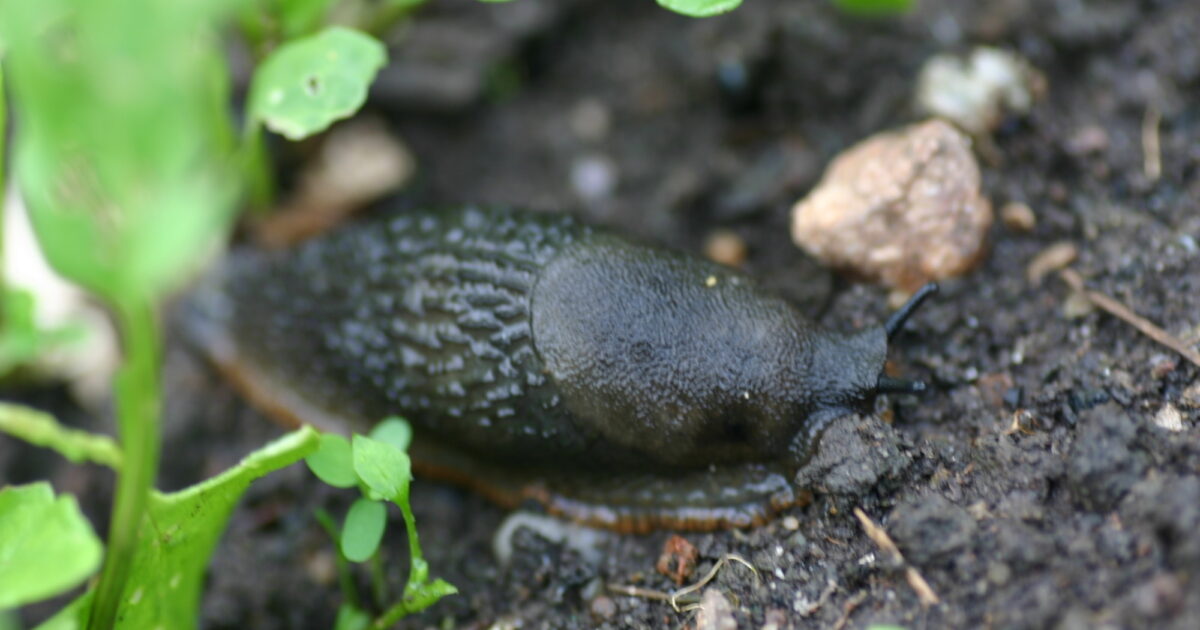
[700, 8]
[180, 530]
[395, 431]
[73, 616]
[351, 618]
[332, 462]
[307, 84]
[426, 595]
[301, 17]
[383, 467]
[124, 145]
[21, 339]
[363, 529]
[41, 429]
[874, 8]
[46, 544]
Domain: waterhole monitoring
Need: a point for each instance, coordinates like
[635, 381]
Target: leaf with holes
[307, 84]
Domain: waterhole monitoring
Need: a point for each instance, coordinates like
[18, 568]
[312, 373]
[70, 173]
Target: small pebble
[603, 607]
[715, 612]
[976, 93]
[1087, 140]
[1053, 258]
[1018, 217]
[1161, 365]
[593, 178]
[725, 247]
[1169, 418]
[1191, 395]
[791, 523]
[590, 120]
[321, 567]
[775, 619]
[1077, 306]
[900, 208]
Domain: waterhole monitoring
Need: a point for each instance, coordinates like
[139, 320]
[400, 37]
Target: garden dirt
[1049, 479]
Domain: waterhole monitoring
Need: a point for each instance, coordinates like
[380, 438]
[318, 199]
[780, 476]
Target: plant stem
[137, 391]
[3, 181]
[260, 182]
[345, 580]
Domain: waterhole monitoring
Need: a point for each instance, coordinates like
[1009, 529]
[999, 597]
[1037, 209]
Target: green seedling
[307, 84]
[874, 8]
[379, 466]
[46, 545]
[700, 8]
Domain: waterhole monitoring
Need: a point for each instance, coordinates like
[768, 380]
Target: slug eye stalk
[893, 326]
[889, 385]
[896, 321]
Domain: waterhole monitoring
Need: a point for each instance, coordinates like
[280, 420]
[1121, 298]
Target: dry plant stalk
[1119, 310]
[881, 539]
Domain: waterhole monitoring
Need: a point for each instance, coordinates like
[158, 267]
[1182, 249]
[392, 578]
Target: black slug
[537, 357]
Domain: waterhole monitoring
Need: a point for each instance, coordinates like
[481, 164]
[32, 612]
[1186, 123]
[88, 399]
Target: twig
[637, 591]
[830, 589]
[673, 597]
[712, 573]
[848, 608]
[1117, 309]
[881, 539]
[1151, 149]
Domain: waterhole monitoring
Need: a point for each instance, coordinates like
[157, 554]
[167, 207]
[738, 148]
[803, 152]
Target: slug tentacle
[896, 321]
[537, 357]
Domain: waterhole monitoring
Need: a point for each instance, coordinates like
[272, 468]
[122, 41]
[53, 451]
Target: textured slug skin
[538, 357]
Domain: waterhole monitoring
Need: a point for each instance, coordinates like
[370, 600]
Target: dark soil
[1086, 516]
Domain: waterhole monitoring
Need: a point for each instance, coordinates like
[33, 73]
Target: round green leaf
[309, 83]
[383, 467]
[395, 431]
[700, 8]
[46, 544]
[363, 529]
[332, 462]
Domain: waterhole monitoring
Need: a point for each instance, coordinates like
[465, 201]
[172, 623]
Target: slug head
[847, 372]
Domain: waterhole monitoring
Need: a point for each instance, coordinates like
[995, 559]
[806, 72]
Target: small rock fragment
[1169, 418]
[977, 92]
[1088, 140]
[1161, 365]
[678, 559]
[715, 612]
[1077, 306]
[901, 208]
[603, 608]
[775, 619]
[1191, 395]
[590, 120]
[593, 178]
[725, 247]
[791, 523]
[1053, 258]
[1018, 217]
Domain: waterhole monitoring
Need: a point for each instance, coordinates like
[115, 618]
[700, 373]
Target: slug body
[537, 357]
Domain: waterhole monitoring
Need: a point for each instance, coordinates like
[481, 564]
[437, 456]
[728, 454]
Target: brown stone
[901, 208]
